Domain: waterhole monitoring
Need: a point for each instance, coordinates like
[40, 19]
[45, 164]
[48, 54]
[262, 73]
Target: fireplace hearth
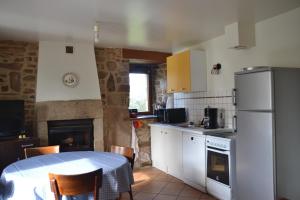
[71, 135]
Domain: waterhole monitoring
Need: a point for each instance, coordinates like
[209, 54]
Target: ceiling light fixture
[96, 32]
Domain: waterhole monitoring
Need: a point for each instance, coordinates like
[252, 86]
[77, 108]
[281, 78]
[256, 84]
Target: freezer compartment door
[254, 156]
[254, 91]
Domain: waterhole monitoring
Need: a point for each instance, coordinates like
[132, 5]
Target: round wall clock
[70, 79]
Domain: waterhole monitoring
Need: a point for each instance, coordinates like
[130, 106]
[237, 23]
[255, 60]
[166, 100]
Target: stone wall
[143, 133]
[18, 70]
[159, 83]
[113, 73]
[144, 143]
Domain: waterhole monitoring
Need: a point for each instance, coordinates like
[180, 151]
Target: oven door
[218, 165]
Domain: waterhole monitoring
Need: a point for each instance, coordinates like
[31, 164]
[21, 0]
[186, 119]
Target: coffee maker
[210, 120]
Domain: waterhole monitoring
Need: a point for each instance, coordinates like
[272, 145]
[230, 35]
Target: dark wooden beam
[156, 57]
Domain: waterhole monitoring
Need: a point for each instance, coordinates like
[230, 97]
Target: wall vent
[69, 49]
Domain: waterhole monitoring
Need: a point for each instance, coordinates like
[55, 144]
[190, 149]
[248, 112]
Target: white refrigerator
[268, 133]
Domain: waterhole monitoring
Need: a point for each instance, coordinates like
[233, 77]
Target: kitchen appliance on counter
[171, 115]
[133, 113]
[267, 125]
[210, 120]
[221, 118]
[213, 118]
[160, 114]
[220, 165]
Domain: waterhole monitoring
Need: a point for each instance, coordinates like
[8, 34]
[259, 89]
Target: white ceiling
[160, 25]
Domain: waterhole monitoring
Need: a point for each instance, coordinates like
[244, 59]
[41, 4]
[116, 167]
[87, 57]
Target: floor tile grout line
[180, 192]
[159, 193]
[168, 180]
[161, 190]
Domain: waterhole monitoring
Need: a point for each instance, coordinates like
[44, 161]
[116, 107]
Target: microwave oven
[171, 115]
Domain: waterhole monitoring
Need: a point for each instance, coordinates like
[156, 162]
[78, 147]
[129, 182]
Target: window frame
[144, 69]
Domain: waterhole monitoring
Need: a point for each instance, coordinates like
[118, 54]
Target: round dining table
[28, 178]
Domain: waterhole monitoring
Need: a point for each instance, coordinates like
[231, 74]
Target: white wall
[277, 44]
[53, 63]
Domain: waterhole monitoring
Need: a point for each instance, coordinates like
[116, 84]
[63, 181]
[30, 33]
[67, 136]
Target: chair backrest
[128, 152]
[76, 184]
[36, 151]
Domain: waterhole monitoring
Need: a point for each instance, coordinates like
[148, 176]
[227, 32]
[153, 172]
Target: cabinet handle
[27, 145]
[234, 122]
[192, 138]
[233, 96]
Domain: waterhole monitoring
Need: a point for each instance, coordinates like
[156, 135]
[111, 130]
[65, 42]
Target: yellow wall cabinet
[186, 72]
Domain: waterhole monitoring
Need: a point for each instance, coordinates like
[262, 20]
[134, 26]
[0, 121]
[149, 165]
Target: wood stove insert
[72, 135]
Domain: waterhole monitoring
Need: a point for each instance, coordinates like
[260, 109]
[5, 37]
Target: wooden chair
[128, 152]
[71, 185]
[36, 151]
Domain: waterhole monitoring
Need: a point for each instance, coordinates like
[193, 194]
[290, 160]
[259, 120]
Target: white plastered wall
[53, 63]
[277, 44]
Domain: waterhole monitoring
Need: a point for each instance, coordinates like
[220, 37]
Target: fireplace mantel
[67, 110]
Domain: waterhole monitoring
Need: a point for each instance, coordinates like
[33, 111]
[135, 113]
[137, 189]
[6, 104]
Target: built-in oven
[218, 165]
[220, 161]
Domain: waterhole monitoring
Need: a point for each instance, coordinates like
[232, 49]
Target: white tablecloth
[28, 179]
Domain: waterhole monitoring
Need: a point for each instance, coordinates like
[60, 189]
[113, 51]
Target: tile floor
[153, 184]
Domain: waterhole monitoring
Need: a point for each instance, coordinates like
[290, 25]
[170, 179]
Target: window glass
[139, 92]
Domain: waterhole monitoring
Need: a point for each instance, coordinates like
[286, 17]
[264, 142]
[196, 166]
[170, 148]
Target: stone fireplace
[49, 114]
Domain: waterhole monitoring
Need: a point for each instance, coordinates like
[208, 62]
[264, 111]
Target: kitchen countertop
[144, 117]
[197, 130]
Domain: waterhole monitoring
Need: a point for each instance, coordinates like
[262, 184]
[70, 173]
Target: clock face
[70, 79]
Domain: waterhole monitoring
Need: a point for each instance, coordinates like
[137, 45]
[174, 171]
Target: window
[140, 89]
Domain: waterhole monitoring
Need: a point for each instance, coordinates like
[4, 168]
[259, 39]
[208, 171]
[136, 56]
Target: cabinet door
[173, 152]
[194, 158]
[8, 153]
[184, 72]
[172, 74]
[157, 148]
[254, 150]
[198, 70]
[254, 91]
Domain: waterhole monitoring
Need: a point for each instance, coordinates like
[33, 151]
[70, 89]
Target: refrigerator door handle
[233, 96]
[234, 123]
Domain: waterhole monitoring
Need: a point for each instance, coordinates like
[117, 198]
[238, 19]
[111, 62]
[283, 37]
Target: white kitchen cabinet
[157, 148]
[186, 72]
[194, 167]
[166, 150]
[180, 153]
[173, 152]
